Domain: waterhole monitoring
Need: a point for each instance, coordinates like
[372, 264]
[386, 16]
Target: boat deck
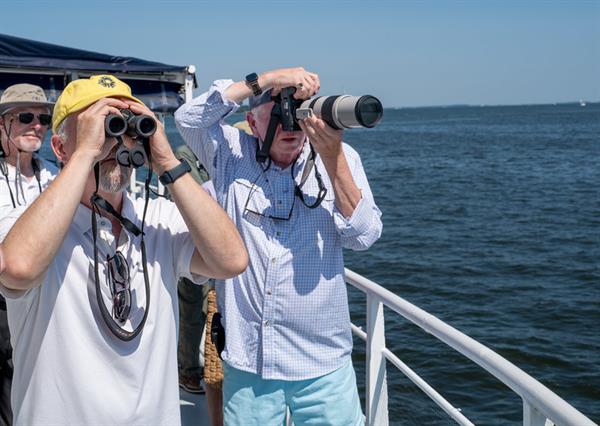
[193, 409]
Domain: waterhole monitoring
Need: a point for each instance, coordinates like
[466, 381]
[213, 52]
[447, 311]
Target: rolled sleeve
[364, 226]
[200, 123]
[362, 229]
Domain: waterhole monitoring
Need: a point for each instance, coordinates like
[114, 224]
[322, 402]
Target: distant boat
[582, 103]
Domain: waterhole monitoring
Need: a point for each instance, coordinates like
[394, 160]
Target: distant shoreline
[574, 103]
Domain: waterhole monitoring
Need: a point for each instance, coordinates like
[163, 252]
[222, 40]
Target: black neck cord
[100, 203]
[36, 172]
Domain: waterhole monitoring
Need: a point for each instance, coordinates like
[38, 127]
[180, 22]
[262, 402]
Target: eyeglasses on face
[118, 282]
[28, 117]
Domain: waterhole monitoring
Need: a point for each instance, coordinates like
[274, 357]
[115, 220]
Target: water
[492, 223]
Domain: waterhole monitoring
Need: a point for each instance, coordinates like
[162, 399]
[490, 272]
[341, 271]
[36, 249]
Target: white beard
[114, 177]
[33, 148]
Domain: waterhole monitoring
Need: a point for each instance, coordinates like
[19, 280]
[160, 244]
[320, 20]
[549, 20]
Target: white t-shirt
[68, 367]
[31, 190]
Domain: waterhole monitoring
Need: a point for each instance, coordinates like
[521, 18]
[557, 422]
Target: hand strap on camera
[263, 153]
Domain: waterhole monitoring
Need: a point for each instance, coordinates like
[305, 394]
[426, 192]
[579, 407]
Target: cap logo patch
[106, 82]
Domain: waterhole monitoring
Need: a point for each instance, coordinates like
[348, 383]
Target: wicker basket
[213, 370]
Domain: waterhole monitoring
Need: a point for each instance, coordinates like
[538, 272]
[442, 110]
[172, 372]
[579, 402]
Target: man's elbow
[18, 273]
[236, 264]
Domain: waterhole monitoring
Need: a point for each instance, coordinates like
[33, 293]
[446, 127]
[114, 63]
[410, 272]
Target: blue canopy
[52, 67]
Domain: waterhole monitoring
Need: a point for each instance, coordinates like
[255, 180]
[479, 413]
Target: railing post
[376, 392]
[189, 83]
[133, 183]
[532, 417]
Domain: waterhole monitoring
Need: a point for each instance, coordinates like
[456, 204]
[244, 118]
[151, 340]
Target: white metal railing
[541, 406]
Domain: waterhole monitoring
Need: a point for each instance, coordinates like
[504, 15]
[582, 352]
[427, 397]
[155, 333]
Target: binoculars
[138, 127]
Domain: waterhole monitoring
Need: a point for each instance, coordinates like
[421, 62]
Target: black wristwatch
[252, 82]
[175, 173]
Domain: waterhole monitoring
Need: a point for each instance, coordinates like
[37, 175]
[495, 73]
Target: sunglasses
[118, 282]
[28, 117]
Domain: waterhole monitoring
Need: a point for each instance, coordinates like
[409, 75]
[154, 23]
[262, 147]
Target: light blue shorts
[327, 400]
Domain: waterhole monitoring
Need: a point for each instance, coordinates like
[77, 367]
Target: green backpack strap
[199, 173]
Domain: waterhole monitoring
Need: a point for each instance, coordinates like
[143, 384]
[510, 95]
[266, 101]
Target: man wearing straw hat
[24, 120]
[75, 361]
[25, 116]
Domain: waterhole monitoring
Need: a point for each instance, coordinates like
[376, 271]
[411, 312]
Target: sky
[406, 53]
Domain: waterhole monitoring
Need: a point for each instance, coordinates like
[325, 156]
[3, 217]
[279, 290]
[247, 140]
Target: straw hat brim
[4, 107]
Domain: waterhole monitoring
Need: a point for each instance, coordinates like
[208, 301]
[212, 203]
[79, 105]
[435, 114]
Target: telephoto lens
[345, 111]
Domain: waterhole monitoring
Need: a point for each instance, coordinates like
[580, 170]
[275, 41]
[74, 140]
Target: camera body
[139, 127]
[338, 111]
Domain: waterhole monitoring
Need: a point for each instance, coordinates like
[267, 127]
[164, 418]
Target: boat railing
[541, 406]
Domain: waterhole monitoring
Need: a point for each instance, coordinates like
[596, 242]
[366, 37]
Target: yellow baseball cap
[80, 94]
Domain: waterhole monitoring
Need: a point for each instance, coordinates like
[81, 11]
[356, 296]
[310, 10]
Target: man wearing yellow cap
[64, 272]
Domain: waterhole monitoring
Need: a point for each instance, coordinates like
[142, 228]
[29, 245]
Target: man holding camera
[288, 338]
[71, 365]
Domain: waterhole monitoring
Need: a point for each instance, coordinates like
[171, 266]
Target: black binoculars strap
[98, 202]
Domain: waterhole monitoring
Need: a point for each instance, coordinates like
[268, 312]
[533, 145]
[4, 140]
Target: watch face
[250, 78]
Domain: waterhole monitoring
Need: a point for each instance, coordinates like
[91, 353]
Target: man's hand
[307, 84]
[91, 135]
[163, 158]
[326, 140]
[328, 144]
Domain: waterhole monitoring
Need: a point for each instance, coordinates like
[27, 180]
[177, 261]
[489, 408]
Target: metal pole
[376, 395]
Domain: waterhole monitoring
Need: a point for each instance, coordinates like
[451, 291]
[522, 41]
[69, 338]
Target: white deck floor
[193, 409]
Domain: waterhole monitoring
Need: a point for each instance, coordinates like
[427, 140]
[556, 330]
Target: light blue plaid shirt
[286, 317]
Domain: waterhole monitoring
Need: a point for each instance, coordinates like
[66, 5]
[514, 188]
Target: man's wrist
[83, 157]
[265, 80]
[166, 165]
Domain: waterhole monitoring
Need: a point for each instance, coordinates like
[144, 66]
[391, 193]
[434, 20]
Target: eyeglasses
[297, 189]
[118, 282]
[246, 209]
[27, 118]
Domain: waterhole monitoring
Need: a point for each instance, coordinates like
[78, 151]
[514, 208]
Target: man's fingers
[328, 130]
[104, 102]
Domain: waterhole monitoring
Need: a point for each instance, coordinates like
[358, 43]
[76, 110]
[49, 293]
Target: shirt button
[278, 233]
[269, 292]
[274, 260]
[278, 201]
[267, 323]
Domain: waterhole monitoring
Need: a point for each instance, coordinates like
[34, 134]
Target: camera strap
[310, 164]
[263, 153]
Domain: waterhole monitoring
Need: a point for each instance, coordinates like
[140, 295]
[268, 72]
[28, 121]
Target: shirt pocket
[255, 207]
